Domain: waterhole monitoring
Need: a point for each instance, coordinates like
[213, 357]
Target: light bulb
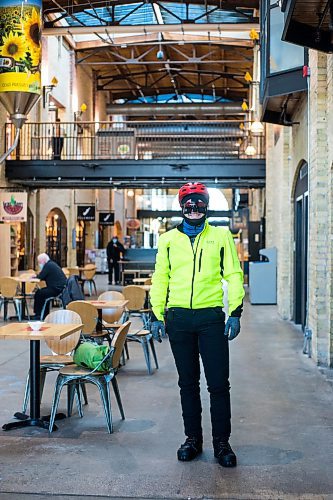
[257, 127]
[250, 150]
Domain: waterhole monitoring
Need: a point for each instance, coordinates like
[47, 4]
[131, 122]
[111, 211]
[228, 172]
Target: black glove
[157, 329]
[232, 327]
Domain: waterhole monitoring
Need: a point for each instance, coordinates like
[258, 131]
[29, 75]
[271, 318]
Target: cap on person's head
[193, 190]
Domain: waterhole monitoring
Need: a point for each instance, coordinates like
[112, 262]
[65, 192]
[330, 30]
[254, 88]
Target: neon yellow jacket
[190, 277]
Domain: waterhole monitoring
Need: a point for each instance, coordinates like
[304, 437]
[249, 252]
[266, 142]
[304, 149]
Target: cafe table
[105, 304]
[23, 280]
[22, 331]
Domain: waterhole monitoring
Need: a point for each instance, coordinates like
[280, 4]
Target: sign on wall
[106, 218]
[20, 46]
[86, 212]
[13, 207]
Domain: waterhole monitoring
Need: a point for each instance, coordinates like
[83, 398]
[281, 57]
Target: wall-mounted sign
[20, 46]
[13, 207]
[106, 218]
[133, 223]
[86, 212]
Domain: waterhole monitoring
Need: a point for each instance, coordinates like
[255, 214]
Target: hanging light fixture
[257, 127]
[250, 150]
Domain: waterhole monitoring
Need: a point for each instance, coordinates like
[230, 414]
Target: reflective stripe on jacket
[190, 277]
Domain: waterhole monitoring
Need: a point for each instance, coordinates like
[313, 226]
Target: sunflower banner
[20, 46]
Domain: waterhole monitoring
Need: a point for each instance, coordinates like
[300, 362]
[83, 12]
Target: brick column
[320, 212]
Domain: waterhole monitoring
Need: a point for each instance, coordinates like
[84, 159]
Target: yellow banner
[20, 46]
[20, 82]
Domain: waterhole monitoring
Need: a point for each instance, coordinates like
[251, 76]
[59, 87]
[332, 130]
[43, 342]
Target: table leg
[35, 419]
[99, 324]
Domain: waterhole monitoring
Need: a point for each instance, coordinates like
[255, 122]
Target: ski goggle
[194, 206]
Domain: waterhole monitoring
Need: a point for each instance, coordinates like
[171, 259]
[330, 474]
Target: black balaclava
[194, 198]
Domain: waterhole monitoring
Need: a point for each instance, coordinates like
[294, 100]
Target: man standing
[191, 261]
[57, 140]
[55, 280]
[113, 250]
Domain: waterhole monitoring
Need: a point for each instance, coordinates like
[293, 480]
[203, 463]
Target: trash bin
[262, 278]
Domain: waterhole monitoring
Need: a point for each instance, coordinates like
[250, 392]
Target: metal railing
[135, 140]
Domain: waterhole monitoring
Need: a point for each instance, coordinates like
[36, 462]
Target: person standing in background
[57, 140]
[114, 250]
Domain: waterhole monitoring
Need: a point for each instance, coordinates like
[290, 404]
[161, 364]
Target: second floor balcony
[139, 140]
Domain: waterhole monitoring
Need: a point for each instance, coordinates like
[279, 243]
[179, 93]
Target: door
[301, 248]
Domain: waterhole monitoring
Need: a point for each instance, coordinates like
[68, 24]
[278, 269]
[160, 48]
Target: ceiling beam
[151, 28]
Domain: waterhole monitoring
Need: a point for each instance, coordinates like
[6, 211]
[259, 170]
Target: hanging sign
[13, 207]
[133, 223]
[86, 212]
[106, 218]
[20, 46]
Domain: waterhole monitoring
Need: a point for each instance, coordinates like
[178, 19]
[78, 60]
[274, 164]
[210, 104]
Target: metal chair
[60, 357]
[8, 290]
[136, 297]
[75, 374]
[88, 275]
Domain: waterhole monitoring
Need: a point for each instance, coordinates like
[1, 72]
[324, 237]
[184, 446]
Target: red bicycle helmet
[193, 188]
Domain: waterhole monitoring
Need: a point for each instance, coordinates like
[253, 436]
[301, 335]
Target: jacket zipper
[200, 260]
[194, 254]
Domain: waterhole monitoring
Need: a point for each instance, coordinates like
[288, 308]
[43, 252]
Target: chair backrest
[66, 272]
[67, 344]
[30, 287]
[114, 314]
[147, 281]
[72, 290]
[118, 342]
[41, 284]
[73, 271]
[8, 287]
[88, 314]
[89, 271]
[136, 296]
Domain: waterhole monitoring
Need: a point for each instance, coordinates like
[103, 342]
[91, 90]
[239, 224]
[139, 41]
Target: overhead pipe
[225, 108]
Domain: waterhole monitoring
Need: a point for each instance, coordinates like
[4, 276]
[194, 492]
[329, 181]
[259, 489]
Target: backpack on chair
[72, 290]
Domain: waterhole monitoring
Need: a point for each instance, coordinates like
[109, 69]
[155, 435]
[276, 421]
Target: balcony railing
[139, 140]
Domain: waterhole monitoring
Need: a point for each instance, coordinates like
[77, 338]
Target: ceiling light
[257, 127]
[130, 193]
[250, 150]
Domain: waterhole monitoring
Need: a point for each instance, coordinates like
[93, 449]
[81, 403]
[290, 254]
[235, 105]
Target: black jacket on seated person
[53, 275]
[55, 280]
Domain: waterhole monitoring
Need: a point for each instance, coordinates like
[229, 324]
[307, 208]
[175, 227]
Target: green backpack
[90, 355]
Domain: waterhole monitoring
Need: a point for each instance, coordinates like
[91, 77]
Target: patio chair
[136, 297]
[115, 317]
[75, 374]
[89, 317]
[88, 275]
[60, 357]
[9, 295]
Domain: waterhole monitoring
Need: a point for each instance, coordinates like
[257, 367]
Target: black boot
[190, 449]
[224, 453]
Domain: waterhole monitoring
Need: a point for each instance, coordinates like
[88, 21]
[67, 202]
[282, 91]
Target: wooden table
[22, 331]
[23, 280]
[105, 304]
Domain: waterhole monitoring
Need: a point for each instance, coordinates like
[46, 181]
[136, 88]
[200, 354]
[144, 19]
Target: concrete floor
[282, 428]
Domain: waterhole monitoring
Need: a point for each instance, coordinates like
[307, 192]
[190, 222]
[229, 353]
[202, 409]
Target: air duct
[219, 109]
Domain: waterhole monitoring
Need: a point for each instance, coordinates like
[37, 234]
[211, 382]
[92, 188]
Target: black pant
[193, 332]
[40, 297]
[57, 145]
[114, 264]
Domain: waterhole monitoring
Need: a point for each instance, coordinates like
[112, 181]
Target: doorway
[301, 217]
[56, 237]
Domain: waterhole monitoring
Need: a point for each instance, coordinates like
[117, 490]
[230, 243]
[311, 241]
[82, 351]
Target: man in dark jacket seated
[55, 280]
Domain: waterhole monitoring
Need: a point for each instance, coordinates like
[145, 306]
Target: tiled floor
[282, 428]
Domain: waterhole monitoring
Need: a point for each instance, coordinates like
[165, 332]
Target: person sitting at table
[55, 280]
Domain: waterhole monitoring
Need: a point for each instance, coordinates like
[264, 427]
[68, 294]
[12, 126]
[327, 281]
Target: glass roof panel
[143, 14]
